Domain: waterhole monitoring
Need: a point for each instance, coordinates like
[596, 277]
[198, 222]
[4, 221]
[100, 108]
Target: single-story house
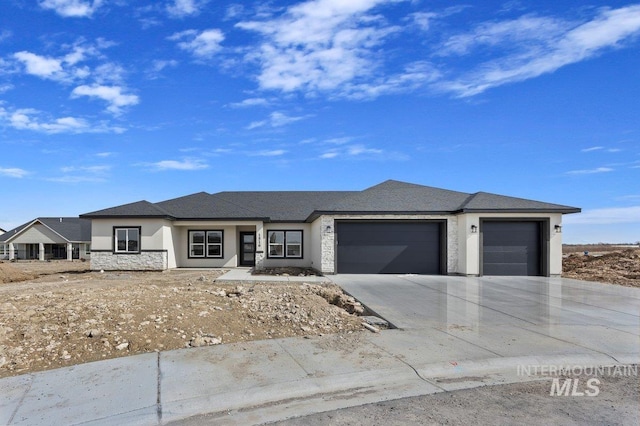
[394, 227]
[47, 238]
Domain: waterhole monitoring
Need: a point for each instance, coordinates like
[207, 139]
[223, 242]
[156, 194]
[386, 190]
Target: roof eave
[559, 210]
[128, 216]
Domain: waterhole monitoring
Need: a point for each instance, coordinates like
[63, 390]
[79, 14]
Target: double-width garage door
[512, 248]
[389, 247]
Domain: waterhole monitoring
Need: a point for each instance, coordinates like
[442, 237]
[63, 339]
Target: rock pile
[49, 325]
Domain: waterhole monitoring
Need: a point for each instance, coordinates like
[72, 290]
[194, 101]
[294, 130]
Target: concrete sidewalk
[460, 338]
[262, 381]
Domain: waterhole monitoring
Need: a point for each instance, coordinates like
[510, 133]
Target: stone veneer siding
[327, 239]
[144, 261]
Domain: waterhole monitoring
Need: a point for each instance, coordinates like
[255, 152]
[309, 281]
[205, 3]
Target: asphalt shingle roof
[72, 229]
[138, 209]
[299, 206]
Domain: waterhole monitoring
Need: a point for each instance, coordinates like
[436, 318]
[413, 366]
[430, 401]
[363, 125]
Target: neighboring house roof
[72, 229]
[299, 206]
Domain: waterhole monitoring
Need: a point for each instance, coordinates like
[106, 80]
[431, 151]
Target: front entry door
[247, 248]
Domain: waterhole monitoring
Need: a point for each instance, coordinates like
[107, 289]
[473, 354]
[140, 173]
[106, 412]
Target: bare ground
[55, 314]
[65, 315]
[616, 267]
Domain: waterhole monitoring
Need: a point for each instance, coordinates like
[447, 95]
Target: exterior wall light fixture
[558, 229]
[474, 229]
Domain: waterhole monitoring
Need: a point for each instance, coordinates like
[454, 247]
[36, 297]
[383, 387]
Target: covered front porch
[46, 251]
[250, 244]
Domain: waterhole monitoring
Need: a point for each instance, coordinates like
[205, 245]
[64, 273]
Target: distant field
[595, 248]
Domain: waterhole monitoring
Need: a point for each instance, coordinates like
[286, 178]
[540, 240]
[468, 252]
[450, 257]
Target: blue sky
[106, 102]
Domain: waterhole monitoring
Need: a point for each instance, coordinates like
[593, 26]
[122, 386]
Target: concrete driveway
[454, 333]
[503, 317]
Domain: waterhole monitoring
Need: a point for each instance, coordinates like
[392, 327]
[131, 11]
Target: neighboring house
[47, 238]
[393, 227]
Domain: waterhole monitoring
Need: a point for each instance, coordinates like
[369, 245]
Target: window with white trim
[205, 244]
[285, 244]
[127, 240]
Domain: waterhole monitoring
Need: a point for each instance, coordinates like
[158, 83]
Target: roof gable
[71, 229]
[395, 196]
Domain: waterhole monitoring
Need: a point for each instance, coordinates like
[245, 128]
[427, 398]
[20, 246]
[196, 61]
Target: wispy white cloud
[13, 172]
[330, 46]
[159, 65]
[422, 19]
[605, 216]
[202, 44]
[40, 66]
[590, 171]
[104, 154]
[72, 8]
[90, 169]
[593, 148]
[80, 174]
[5, 35]
[531, 46]
[250, 102]
[182, 8]
[29, 119]
[70, 65]
[358, 151]
[269, 153]
[113, 95]
[276, 119]
[187, 164]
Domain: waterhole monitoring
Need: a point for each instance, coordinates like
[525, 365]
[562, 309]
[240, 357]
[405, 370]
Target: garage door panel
[517, 269]
[511, 248]
[387, 247]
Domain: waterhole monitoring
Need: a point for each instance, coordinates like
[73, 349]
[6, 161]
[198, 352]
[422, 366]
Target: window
[205, 243]
[127, 240]
[285, 244]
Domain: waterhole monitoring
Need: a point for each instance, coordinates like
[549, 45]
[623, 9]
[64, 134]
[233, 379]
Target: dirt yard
[55, 314]
[64, 315]
[617, 267]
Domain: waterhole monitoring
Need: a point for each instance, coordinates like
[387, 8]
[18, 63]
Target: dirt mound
[9, 274]
[620, 267]
[60, 320]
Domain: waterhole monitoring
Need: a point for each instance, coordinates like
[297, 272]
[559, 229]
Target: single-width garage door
[511, 248]
[389, 247]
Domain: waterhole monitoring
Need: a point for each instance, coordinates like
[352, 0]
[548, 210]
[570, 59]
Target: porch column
[12, 251]
[260, 243]
[41, 250]
[69, 251]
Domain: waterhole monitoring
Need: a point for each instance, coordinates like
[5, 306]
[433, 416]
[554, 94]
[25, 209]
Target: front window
[205, 244]
[127, 240]
[285, 244]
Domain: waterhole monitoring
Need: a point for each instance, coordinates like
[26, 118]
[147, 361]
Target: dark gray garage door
[389, 247]
[511, 248]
